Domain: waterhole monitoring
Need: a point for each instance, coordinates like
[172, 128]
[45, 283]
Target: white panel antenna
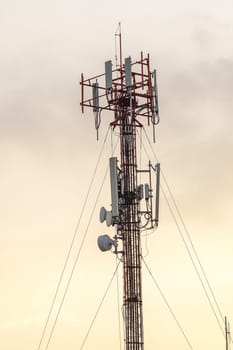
[157, 193]
[114, 187]
[108, 75]
[128, 72]
[156, 106]
[147, 192]
[140, 192]
[95, 96]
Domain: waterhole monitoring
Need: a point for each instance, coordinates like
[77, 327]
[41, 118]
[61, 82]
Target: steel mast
[130, 92]
[130, 233]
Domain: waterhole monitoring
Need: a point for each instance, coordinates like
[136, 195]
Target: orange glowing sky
[49, 150]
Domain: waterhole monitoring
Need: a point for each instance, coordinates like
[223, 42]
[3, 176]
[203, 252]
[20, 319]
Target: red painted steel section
[129, 231]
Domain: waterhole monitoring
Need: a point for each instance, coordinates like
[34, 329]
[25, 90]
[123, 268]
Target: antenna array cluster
[132, 86]
[148, 214]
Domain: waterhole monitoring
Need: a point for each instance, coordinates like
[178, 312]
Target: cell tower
[130, 92]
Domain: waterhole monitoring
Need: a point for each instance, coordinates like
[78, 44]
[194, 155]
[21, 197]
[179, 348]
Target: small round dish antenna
[105, 243]
[103, 213]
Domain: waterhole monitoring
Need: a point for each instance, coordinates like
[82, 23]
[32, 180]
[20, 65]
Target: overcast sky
[49, 150]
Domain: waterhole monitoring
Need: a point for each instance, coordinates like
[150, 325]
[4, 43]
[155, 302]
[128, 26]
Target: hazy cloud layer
[48, 151]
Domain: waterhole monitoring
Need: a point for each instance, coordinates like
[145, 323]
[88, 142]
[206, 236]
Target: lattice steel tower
[130, 92]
